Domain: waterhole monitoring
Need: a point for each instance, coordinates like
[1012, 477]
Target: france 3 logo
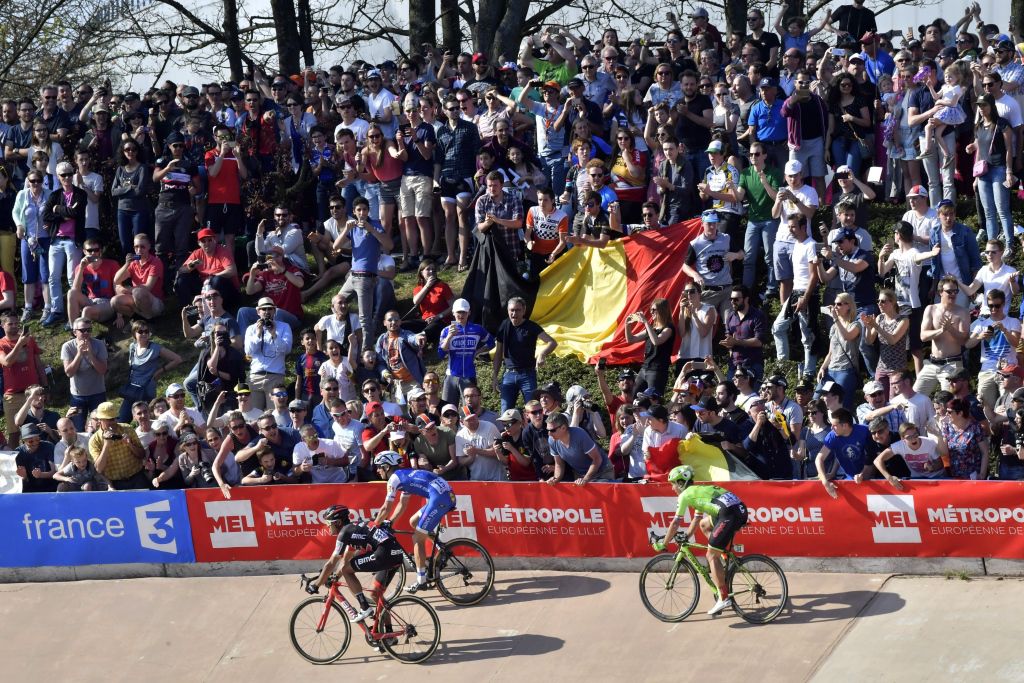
[895, 519]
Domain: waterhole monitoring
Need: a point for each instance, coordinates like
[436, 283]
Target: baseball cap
[460, 306]
[651, 392]
[793, 167]
[100, 107]
[960, 374]
[805, 384]
[626, 374]
[1018, 395]
[174, 138]
[424, 421]
[1008, 370]
[914, 44]
[374, 405]
[415, 393]
[858, 57]
[844, 235]
[173, 389]
[189, 90]
[511, 415]
[777, 381]
[869, 37]
[575, 83]
[699, 12]
[917, 191]
[658, 412]
[187, 438]
[373, 73]
[831, 387]
[29, 430]
[387, 64]
[242, 388]
[944, 202]
[1004, 45]
[65, 167]
[479, 58]
[298, 404]
[265, 302]
[551, 85]
[872, 388]
[767, 82]
[948, 53]
[204, 233]
[709, 216]
[843, 169]
[449, 408]
[714, 146]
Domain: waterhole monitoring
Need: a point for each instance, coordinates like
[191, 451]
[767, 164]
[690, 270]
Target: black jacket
[56, 212]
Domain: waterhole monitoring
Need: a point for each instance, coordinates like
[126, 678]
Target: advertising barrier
[63, 529]
[787, 519]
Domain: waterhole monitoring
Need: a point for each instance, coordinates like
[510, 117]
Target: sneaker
[719, 606]
[362, 614]
[981, 236]
[201, 343]
[53, 318]
[67, 326]
[415, 587]
[26, 314]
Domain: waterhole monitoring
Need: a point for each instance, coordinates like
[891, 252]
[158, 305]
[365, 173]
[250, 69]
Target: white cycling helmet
[387, 459]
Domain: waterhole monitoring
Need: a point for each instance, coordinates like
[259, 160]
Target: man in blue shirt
[768, 124]
[849, 443]
[876, 60]
[460, 342]
[572, 446]
[367, 237]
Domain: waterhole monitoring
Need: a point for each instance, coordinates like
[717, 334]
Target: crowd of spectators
[239, 202]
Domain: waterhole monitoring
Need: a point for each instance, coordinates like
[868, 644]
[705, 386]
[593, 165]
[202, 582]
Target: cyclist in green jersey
[720, 515]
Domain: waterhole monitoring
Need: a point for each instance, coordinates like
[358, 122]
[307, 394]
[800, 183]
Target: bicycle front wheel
[410, 629]
[669, 589]
[394, 588]
[464, 572]
[315, 644]
[758, 588]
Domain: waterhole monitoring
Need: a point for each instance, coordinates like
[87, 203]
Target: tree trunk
[305, 23]
[499, 26]
[735, 18]
[1017, 17]
[232, 46]
[451, 32]
[421, 25]
[289, 47]
[793, 8]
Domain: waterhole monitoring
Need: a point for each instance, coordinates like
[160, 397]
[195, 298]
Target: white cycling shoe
[719, 606]
[363, 614]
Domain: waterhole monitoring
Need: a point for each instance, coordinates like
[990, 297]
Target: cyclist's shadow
[817, 607]
[473, 649]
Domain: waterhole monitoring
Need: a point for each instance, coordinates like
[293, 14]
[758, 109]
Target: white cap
[460, 306]
[793, 167]
[872, 388]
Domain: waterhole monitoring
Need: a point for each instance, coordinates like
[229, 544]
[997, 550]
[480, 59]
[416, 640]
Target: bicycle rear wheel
[758, 588]
[669, 589]
[416, 627]
[320, 646]
[464, 571]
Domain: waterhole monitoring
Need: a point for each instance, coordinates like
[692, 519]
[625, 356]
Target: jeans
[700, 163]
[555, 171]
[247, 316]
[192, 383]
[364, 288]
[515, 382]
[759, 234]
[940, 178]
[846, 151]
[372, 193]
[173, 222]
[849, 380]
[130, 224]
[808, 319]
[868, 352]
[323, 196]
[85, 405]
[64, 253]
[1013, 472]
[995, 201]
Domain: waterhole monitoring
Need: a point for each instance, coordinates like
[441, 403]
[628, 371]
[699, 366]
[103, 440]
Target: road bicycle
[407, 628]
[460, 568]
[669, 587]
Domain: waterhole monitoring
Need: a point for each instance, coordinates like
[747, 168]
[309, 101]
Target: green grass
[566, 371]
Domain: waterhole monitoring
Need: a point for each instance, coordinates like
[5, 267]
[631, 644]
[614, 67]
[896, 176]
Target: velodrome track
[537, 626]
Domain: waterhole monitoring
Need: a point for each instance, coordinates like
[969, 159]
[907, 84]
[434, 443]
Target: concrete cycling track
[537, 626]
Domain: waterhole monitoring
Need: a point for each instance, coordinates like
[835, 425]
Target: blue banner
[67, 529]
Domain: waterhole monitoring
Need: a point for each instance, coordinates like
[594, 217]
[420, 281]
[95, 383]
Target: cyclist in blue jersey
[440, 500]
[461, 341]
[720, 515]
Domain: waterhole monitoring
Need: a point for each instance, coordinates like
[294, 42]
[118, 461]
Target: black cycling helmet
[336, 514]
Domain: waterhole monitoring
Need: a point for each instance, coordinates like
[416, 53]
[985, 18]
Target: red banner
[786, 519]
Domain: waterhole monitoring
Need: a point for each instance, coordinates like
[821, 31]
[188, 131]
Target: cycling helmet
[387, 459]
[336, 514]
[682, 474]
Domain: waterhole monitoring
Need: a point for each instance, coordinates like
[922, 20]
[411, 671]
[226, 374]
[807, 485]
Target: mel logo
[895, 519]
[232, 524]
[660, 512]
[460, 522]
[156, 526]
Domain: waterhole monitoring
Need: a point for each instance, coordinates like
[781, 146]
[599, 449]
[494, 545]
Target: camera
[602, 363]
[114, 437]
[134, 257]
[192, 310]
[262, 266]
[839, 52]
[206, 472]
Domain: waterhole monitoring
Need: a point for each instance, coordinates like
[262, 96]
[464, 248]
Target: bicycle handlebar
[681, 538]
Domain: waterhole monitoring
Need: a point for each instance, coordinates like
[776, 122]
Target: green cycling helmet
[682, 473]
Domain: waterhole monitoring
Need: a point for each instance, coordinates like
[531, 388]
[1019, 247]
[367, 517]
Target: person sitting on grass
[93, 287]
